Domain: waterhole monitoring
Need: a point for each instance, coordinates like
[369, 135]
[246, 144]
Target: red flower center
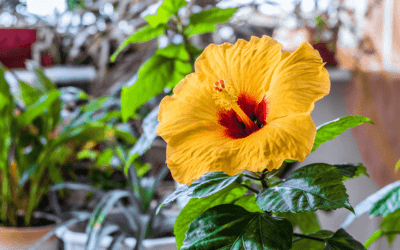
[235, 127]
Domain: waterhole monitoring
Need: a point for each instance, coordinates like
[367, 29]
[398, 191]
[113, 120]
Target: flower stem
[252, 177]
[263, 181]
[250, 188]
[272, 175]
[308, 237]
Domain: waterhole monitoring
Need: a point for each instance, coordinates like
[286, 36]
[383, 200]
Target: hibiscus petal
[299, 80]
[246, 65]
[190, 108]
[291, 137]
[195, 153]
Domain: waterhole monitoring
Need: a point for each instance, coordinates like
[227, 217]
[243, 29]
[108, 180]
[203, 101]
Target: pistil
[226, 98]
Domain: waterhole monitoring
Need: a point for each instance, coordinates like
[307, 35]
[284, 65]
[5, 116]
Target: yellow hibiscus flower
[247, 106]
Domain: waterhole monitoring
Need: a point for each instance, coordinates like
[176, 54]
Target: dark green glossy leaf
[367, 204]
[330, 130]
[306, 221]
[248, 202]
[165, 11]
[205, 21]
[387, 204]
[143, 34]
[390, 223]
[316, 186]
[41, 106]
[233, 227]
[206, 185]
[211, 183]
[350, 171]
[341, 240]
[197, 206]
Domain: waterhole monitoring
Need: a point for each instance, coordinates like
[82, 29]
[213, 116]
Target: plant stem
[272, 175]
[252, 177]
[263, 181]
[186, 43]
[309, 237]
[376, 235]
[250, 188]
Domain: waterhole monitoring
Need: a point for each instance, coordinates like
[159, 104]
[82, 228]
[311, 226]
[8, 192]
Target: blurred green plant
[36, 141]
[172, 63]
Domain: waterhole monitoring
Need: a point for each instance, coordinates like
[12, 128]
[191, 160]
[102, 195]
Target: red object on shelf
[16, 48]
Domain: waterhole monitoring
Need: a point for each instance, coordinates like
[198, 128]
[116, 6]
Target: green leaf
[205, 21]
[232, 227]
[396, 168]
[206, 185]
[306, 221]
[248, 202]
[125, 135]
[350, 171]
[128, 163]
[330, 130]
[341, 240]
[367, 204]
[165, 11]
[45, 84]
[26, 174]
[41, 106]
[156, 73]
[94, 131]
[143, 34]
[29, 94]
[390, 222]
[197, 206]
[387, 204]
[104, 159]
[174, 51]
[87, 154]
[316, 186]
[200, 28]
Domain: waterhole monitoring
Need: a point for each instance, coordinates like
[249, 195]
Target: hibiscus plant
[238, 114]
[229, 128]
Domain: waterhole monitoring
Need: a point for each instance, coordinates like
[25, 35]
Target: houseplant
[35, 141]
[128, 215]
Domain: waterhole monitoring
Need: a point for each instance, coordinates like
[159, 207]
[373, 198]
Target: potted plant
[119, 216]
[36, 139]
